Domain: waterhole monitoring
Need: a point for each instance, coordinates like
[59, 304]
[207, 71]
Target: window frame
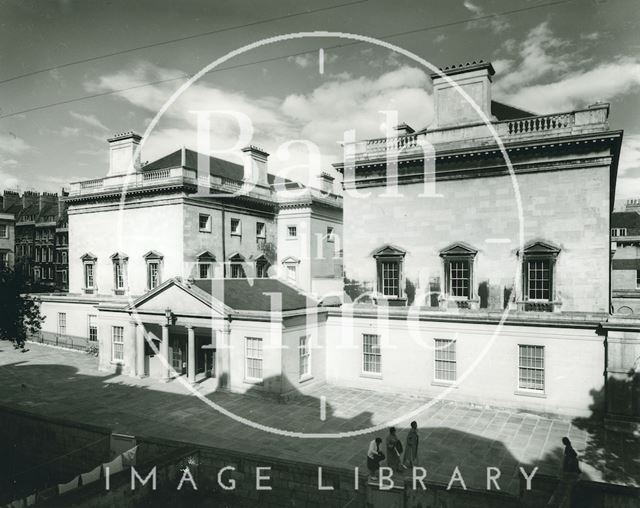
[235, 231]
[259, 358]
[119, 343]
[262, 268]
[521, 367]
[330, 234]
[207, 228]
[292, 228]
[92, 327]
[539, 251]
[451, 343]
[120, 273]
[385, 255]
[372, 355]
[261, 230]
[4, 227]
[61, 328]
[304, 357]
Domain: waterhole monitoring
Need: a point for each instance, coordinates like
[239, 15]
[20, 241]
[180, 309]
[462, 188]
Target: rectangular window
[204, 270]
[459, 278]
[330, 238]
[64, 257]
[118, 275]
[531, 368]
[4, 259]
[371, 354]
[117, 344]
[637, 279]
[37, 254]
[292, 272]
[445, 360]
[36, 273]
[89, 275]
[237, 272]
[64, 276]
[93, 328]
[236, 227]
[62, 323]
[262, 269]
[390, 278]
[261, 230]
[153, 274]
[619, 232]
[4, 231]
[204, 223]
[304, 351]
[292, 231]
[538, 279]
[254, 358]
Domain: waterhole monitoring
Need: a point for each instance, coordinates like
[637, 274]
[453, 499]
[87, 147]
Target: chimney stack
[255, 165]
[325, 183]
[451, 108]
[46, 198]
[123, 158]
[10, 198]
[29, 198]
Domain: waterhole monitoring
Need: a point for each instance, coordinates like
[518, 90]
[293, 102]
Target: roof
[254, 294]
[505, 112]
[217, 167]
[625, 219]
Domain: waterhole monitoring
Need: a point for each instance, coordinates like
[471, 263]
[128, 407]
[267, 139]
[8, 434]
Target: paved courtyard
[67, 384]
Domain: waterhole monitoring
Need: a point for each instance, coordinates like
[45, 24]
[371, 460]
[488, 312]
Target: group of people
[394, 451]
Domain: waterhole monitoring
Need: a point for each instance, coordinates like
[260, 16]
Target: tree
[19, 312]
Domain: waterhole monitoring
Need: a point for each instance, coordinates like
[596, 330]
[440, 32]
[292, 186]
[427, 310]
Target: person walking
[411, 448]
[568, 477]
[374, 457]
[394, 450]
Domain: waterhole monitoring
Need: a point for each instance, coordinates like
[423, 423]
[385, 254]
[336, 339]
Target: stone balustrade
[592, 119]
[133, 181]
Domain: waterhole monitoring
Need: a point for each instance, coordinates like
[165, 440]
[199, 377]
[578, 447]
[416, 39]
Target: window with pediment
[389, 265]
[458, 262]
[538, 275]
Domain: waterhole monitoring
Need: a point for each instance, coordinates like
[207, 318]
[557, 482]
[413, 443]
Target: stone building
[38, 219]
[476, 257]
[625, 266]
[7, 237]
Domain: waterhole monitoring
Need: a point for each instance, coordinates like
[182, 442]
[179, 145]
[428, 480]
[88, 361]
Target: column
[191, 354]
[223, 356]
[164, 352]
[140, 351]
[130, 350]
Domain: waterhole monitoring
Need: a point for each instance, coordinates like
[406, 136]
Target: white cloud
[547, 76]
[579, 88]
[12, 144]
[89, 120]
[341, 103]
[300, 60]
[496, 23]
[628, 183]
[473, 8]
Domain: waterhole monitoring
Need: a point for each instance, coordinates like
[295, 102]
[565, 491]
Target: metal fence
[64, 341]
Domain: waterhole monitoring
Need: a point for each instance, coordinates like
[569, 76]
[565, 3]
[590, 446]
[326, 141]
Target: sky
[65, 65]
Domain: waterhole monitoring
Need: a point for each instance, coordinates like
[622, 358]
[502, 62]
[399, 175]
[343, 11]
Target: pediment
[89, 257]
[182, 299]
[119, 256]
[540, 247]
[236, 256]
[205, 255]
[388, 251]
[152, 254]
[289, 260]
[459, 249]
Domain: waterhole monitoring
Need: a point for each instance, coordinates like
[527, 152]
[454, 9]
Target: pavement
[67, 384]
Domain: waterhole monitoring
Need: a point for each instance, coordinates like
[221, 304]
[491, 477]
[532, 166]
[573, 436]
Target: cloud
[91, 120]
[497, 23]
[580, 88]
[341, 103]
[628, 184]
[12, 144]
[546, 75]
[70, 132]
[300, 60]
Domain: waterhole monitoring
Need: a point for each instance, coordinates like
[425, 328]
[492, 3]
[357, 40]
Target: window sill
[117, 362]
[250, 381]
[236, 234]
[531, 393]
[305, 378]
[204, 231]
[444, 384]
[371, 375]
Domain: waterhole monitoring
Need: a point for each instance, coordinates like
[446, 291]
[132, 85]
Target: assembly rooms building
[463, 279]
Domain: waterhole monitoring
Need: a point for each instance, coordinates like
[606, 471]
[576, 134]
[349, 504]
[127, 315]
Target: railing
[592, 119]
[540, 124]
[91, 184]
[157, 174]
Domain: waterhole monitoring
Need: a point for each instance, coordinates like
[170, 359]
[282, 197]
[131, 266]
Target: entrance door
[177, 356]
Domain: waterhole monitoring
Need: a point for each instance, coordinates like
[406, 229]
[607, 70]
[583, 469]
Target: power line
[180, 39]
[282, 57]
